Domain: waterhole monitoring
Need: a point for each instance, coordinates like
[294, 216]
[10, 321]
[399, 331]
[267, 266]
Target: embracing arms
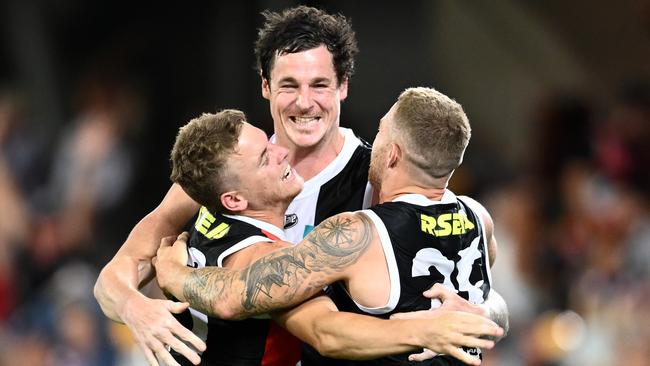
[131, 267]
[357, 337]
[282, 279]
[117, 288]
[332, 252]
[316, 321]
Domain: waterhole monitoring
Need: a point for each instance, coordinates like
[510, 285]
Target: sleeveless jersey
[425, 242]
[253, 341]
[342, 186]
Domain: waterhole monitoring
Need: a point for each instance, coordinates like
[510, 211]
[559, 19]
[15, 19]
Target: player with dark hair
[303, 28]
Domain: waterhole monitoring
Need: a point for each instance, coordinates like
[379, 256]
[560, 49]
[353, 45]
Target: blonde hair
[433, 128]
[200, 155]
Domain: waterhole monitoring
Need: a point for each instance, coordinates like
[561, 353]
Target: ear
[343, 90]
[394, 155]
[233, 201]
[266, 89]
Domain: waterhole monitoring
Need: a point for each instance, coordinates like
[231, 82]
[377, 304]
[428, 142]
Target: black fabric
[404, 224]
[345, 191]
[228, 342]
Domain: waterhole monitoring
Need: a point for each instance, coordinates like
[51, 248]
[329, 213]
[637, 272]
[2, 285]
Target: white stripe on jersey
[272, 229]
[477, 210]
[304, 205]
[393, 273]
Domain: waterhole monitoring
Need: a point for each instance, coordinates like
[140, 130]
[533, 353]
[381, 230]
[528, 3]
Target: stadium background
[92, 93]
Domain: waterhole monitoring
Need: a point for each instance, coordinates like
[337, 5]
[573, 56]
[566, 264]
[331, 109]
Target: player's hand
[155, 329]
[447, 300]
[444, 299]
[447, 331]
[451, 301]
[170, 256]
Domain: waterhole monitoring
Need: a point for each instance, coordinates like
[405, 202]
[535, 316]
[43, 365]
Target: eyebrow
[290, 79]
[287, 79]
[321, 80]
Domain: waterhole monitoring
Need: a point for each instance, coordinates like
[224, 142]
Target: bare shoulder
[343, 230]
[338, 242]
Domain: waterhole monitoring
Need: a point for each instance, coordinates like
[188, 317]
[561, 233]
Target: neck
[434, 194]
[401, 183]
[311, 160]
[273, 217]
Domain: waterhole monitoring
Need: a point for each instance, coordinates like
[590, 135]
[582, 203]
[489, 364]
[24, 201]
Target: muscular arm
[276, 281]
[117, 288]
[352, 336]
[131, 267]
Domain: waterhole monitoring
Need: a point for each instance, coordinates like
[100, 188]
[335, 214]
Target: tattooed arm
[347, 335]
[276, 281]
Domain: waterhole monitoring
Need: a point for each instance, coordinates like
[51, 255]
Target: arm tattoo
[202, 288]
[287, 276]
[263, 276]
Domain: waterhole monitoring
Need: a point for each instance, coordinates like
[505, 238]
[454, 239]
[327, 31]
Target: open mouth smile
[287, 173]
[304, 120]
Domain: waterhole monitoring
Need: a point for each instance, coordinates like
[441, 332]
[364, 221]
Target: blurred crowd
[63, 200]
[573, 228]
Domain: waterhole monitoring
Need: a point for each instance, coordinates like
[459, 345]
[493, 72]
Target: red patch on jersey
[282, 348]
[270, 236]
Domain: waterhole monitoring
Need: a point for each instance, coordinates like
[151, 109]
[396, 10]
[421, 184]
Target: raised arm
[117, 288]
[284, 278]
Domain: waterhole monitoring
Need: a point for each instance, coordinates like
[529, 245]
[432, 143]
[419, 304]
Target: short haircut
[200, 156]
[303, 28]
[433, 128]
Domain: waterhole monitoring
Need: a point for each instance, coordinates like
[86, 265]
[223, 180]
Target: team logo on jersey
[290, 220]
[204, 224]
[446, 224]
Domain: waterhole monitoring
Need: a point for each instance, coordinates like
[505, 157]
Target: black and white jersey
[425, 242]
[253, 341]
[342, 186]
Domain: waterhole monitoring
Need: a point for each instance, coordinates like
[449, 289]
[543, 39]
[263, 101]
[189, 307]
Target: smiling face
[263, 171]
[305, 98]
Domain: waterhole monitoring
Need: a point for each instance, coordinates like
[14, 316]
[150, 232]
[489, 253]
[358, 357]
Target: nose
[304, 100]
